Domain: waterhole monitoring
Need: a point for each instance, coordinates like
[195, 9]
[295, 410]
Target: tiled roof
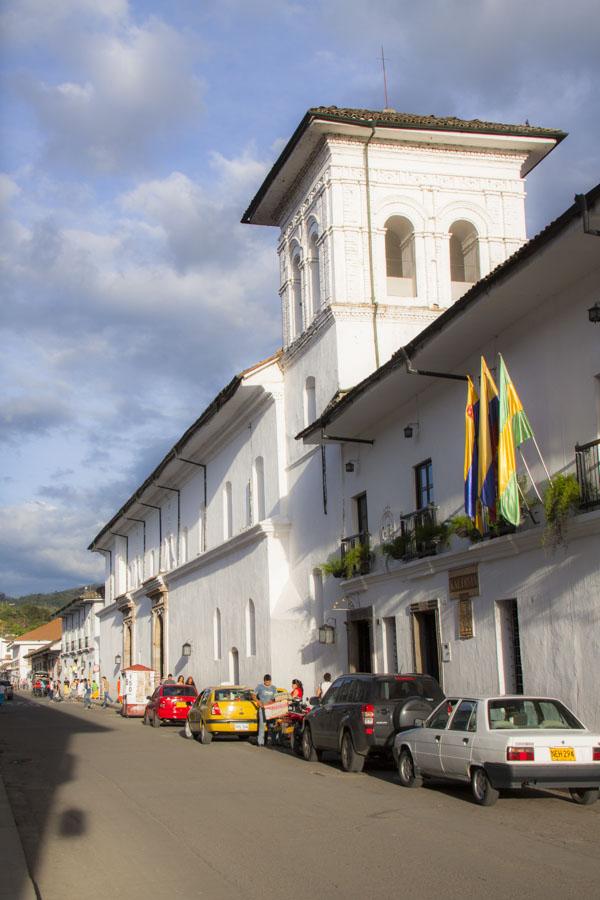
[438, 123]
[51, 631]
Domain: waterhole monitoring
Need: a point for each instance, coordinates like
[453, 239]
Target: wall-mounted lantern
[409, 429]
[594, 312]
[327, 634]
[118, 659]
[186, 650]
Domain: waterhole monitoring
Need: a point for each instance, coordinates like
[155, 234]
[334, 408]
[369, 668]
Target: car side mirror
[148, 697]
[314, 701]
[419, 723]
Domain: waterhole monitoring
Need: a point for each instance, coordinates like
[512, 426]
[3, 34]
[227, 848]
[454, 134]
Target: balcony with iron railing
[355, 552]
[587, 462]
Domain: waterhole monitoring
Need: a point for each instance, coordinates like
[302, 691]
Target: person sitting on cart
[297, 691]
[264, 693]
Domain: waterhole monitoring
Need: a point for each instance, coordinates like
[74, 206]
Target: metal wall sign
[463, 583]
[465, 618]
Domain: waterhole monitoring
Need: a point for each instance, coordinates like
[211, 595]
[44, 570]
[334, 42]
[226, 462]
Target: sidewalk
[15, 881]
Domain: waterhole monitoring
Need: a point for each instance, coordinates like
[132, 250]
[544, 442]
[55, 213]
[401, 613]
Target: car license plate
[562, 754]
[180, 705]
[241, 726]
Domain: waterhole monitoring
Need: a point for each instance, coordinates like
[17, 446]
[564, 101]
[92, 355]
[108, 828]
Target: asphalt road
[109, 809]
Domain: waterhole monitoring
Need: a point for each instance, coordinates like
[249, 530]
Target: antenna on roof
[385, 93]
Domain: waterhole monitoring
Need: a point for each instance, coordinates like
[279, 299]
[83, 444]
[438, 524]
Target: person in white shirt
[324, 686]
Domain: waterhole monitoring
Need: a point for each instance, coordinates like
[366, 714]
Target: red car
[169, 703]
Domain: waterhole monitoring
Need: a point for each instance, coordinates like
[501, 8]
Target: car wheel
[584, 796]
[481, 788]
[351, 760]
[156, 721]
[406, 771]
[309, 751]
[145, 719]
[205, 735]
[297, 742]
[243, 737]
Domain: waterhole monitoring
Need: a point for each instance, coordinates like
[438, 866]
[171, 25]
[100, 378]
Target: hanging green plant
[463, 527]
[561, 499]
[355, 561]
[430, 536]
[397, 548]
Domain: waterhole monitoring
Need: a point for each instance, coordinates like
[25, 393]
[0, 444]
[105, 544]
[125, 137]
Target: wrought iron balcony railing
[587, 461]
[356, 550]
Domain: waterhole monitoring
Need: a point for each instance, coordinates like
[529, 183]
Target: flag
[488, 441]
[514, 429]
[471, 438]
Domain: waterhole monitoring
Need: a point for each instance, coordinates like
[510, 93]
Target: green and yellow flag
[514, 429]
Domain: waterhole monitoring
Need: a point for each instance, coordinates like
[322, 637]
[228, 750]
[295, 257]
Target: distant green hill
[21, 614]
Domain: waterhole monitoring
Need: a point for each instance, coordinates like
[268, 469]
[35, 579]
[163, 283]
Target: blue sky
[134, 136]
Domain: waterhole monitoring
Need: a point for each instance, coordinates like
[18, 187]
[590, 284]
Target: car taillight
[596, 754]
[368, 716]
[215, 710]
[519, 754]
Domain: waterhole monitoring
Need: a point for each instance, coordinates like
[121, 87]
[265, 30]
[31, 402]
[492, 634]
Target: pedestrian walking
[87, 694]
[106, 692]
[191, 682]
[264, 693]
[1, 695]
[169, 679]
[181, 680]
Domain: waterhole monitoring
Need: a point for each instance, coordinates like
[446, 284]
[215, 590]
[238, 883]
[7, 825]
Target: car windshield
[530, 713]
[401, 687]
[232, 694]
[179, 690]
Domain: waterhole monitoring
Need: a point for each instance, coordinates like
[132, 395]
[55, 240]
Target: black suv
[360, 715]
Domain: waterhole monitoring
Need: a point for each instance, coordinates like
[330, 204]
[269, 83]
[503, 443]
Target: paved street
[107, 809]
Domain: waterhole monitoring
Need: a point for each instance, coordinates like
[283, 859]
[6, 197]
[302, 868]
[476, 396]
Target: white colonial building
[385, 221]
[79, 648]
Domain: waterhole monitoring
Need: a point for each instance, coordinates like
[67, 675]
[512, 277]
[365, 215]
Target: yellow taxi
[226, 709]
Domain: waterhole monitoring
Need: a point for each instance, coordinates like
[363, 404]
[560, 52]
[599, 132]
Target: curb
[15, 880]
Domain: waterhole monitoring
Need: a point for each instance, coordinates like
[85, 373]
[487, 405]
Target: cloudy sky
[134, 135]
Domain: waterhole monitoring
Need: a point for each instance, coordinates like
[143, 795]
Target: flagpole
[526, 504]
[541, 457]
[530, 475]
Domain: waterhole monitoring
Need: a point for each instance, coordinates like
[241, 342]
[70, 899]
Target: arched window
[227, 511]
[310, 400]
[400, 257]
[315, 274]
[464, 257]
[297, 318]
[250, 629]
[234, 666]
[259, 489]
[217, 633]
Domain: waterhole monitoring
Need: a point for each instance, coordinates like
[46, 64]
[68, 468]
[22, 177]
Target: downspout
[165, 487]
[370, 236]
[159, 508]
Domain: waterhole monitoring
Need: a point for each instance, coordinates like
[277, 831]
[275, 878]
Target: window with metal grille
[424, 484]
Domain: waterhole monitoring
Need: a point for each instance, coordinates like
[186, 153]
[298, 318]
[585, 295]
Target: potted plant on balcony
[355, 561]
[561, 499]
[429, 537]
[464, 527]
[397, 548]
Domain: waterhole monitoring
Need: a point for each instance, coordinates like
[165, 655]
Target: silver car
[502, 742]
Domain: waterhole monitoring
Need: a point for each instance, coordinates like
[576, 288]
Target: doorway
[360, 643]
[390, 645]
[510, 668]
[158, 646]
[426, 641]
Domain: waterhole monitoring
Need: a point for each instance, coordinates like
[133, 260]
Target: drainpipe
[164, 487]
[201, 466]
[159, 508]
[110, 568]
[126, 536]
[141, 522]
[370, 235]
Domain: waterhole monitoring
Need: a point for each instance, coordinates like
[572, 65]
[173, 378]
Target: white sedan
[502, 742]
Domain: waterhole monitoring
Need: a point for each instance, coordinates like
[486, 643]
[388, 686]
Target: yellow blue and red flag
[514, 429]
[471, 441]
[488, 442]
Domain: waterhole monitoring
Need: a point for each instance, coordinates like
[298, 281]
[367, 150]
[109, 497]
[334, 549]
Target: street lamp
[409, 429]
[186, 650]
[118, 659]
[594, 312]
